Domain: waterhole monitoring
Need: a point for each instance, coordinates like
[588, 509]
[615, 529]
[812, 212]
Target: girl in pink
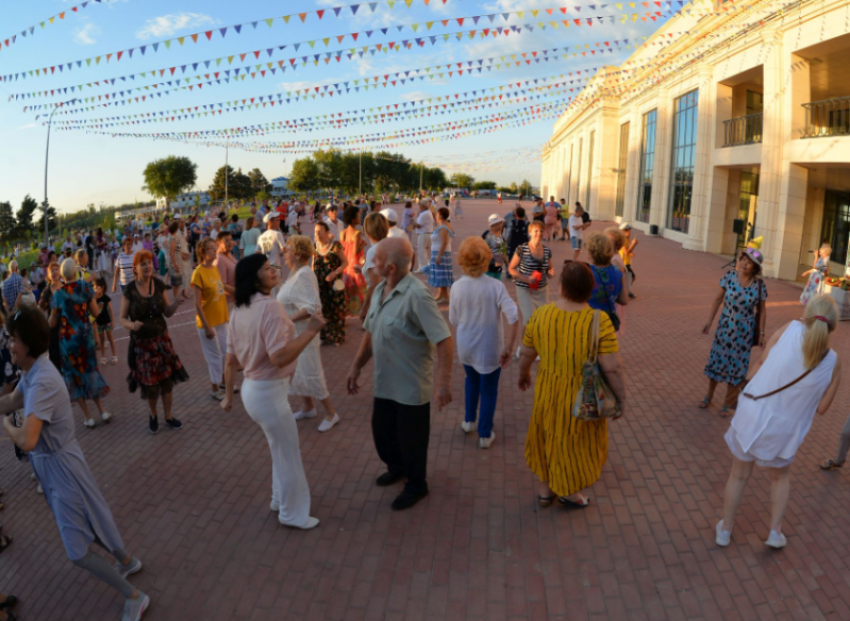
[551, 219]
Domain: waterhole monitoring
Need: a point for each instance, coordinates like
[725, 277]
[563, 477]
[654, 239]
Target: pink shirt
[227, 270]
[258, 331]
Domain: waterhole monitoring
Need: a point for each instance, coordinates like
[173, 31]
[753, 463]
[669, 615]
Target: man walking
[403, 327]
[424, 227]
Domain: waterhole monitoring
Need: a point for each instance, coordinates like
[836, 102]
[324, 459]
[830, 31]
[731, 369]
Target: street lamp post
[46, 159]
[360, 183]
[421, 174]
[226, 158]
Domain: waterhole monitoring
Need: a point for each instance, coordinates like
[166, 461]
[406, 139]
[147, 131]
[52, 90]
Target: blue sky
[90, 168]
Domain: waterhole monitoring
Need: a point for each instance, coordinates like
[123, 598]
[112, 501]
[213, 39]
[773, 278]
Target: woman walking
[796, 378]
[354, 247]
[262, 340]
[518, 233]
[440, 271]
[550, 219]
[54, 283]
[211, 314]
[47, 434]
[819, 271]
[627, 252]
[531, 267]
[154, 366]
[610, 288]
[567, 454]
[329, 263]
[300, 298]
[476, 308]
[69, 310]
[742, 294]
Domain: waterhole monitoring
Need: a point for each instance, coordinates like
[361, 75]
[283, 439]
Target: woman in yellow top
[211, 314]
[567, 454]
[627, 252]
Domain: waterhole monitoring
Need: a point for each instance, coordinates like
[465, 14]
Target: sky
[91, 168]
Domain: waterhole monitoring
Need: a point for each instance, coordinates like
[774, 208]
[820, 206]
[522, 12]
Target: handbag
[595, 399]
[756, 332]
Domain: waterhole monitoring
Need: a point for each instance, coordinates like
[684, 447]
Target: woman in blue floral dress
[741, 294]
[69, 309]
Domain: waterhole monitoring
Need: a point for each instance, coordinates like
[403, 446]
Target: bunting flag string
[475, 19]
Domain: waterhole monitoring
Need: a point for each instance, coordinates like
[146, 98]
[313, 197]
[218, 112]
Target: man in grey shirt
[403, 327]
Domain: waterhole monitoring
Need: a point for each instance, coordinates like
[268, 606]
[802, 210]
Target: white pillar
[661, 172]
[700, 197]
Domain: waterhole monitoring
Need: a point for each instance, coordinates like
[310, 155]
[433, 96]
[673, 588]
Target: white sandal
[103, 362]
[114, 360]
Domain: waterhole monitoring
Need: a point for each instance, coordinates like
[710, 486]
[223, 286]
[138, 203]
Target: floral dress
[355, 283]
[76, 342]
[334, 308]
[815, 285]
[730, 354]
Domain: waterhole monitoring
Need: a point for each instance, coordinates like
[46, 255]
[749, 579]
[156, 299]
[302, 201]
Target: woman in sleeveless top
[797, 378]
[354, 247]
[440, 272]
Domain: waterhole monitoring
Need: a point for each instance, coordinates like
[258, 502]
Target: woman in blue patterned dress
[440, 271]
[741, 293]
[70, 310]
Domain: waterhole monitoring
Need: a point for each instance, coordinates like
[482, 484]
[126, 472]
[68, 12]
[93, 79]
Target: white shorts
[738, 451]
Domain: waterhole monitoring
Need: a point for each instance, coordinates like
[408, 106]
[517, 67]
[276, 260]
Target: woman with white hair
[796, 378]
[69, 310]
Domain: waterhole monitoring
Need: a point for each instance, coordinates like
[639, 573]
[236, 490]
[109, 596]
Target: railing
[829, 117]
[742, 130]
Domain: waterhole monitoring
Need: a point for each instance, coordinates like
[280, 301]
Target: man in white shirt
[392, 218]
[137, 244]
[271, 243]
[424, 226]
[68, 245]
[333, 222]
[577, 225]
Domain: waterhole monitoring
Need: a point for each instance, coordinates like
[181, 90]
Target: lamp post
[360, 182]
[421, 174]
[46, 159]
[226, 158]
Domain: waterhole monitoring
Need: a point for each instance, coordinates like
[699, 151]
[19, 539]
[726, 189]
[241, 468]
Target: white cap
[390, 214]
[272, 215]
[625, 226]
[495, 219]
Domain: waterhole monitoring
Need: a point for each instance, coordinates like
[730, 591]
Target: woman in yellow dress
[567, 454]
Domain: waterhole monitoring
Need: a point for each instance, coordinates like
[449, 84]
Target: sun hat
[625, 226]
[389, 214]
[755, 256]
[495, 219]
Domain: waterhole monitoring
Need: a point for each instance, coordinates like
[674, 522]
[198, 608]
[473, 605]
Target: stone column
[700, 196]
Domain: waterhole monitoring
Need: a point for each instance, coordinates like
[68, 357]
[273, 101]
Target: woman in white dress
[300, 298]
[796, 379]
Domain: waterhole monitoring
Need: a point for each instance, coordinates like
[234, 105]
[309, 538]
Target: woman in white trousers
[262, 340]
[211, 314]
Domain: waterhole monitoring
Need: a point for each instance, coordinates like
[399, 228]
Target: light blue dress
[80, 511]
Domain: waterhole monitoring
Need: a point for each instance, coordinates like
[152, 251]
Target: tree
[25, 215]
[525, 188]
[461, 180]
[238, 184]
[484, 185]
[51, 215]
[305, 175]
[170, 177]
[259, 183]
[7, 221]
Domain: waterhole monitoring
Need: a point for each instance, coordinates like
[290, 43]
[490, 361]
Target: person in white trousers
[211, 313]
[424, 227]
[261, 340]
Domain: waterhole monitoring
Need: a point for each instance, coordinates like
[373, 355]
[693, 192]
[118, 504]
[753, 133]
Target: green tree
[484, 185]
[305, 175]
[461, 180]
[25, 215]
[330, 165]
[238, 184]
[525, 187]
[52, 216]
[169, 177]
[259, 183]
[7, 221]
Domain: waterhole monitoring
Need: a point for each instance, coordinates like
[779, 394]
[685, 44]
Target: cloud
[86, 34]
[167, 25]
[27, 126]
[417, 95]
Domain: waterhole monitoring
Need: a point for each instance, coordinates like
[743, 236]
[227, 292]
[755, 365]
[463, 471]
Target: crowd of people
[267, 298]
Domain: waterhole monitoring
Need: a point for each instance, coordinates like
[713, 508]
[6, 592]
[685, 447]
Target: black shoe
[235, 388]
[387, 479]
[631, 296]
[174, 423]
[407, 499]
[153, 425]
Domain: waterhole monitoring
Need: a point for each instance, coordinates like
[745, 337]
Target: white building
[189, 199]
[280, 187]
[740, 128]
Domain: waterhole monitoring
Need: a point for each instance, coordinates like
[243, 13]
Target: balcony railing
[829, 117]
[742, 130]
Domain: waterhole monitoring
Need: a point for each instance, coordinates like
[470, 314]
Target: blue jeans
[485, 386]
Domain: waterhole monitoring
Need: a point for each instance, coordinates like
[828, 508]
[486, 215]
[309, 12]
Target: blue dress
[609, 284]
[815, 284]
[80, 511]
[76, 342]
[730, 354]
[441, 275]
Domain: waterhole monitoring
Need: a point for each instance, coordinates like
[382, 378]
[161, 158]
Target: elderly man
[12, 286]
[392, 217]
[402, 329]
[424, 227]
[271, 243]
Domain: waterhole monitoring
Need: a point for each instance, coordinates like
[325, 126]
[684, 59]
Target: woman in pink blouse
[261, 340]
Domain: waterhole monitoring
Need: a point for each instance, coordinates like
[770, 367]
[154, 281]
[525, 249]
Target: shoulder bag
[595, 399]
[788, 385]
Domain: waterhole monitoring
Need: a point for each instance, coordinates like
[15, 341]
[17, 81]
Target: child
[104, 321]
[819, 271]
[292, 222]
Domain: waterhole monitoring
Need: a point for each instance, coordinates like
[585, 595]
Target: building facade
[740, 129]
[280, 187]
[189, 199]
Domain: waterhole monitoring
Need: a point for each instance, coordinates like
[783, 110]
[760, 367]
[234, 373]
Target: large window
[647, 166]
[589, 170]
[578, 174]
[622, 162]
[836, 223]
[682, 161]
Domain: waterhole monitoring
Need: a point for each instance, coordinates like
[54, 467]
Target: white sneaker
[776, 540]
[106, 417]
[724, 537]
[218, 395]
[467, 427]
[327, 425]
[311, 523]
[485, 443]
[518, 350]
[89, 423]
[33, 477]
[303, 415]
[39, 489]
[274, 506]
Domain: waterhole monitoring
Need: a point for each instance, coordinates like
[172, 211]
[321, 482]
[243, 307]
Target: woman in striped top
[531, 268]
[567, 454]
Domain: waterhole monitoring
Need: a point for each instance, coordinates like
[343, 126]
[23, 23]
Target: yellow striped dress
[565, 452]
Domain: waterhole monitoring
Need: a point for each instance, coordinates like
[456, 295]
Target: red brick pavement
[193, 505]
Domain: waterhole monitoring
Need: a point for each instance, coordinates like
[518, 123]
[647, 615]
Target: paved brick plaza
[193, 505]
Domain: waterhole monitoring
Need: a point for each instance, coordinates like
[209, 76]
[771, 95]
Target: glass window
[682, 161]
[578, 174]
[589, 170]
[647, 166]
[836, 224]
[622, 163]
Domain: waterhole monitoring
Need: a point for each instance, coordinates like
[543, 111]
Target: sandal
[5, 542]
[724, 412]
[545, 501]
[114, 360]
[829, 464]
[10, 601]
[103, 362]
[572, 504]
[704, 403]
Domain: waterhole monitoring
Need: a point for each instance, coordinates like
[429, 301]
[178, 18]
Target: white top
[476, 308]
[369, 262]
[407, 216]
[335, 227]
[396, 232]
[271, 244]
[436, 242]
[425, 221]
[776, 426]
[292, 218]
[576, 221]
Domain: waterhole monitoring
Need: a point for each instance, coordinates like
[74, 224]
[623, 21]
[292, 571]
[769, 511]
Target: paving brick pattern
[193, 505]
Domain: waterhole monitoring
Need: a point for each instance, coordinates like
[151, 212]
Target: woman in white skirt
[300, 298]
[262, 341]
[797, 378]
